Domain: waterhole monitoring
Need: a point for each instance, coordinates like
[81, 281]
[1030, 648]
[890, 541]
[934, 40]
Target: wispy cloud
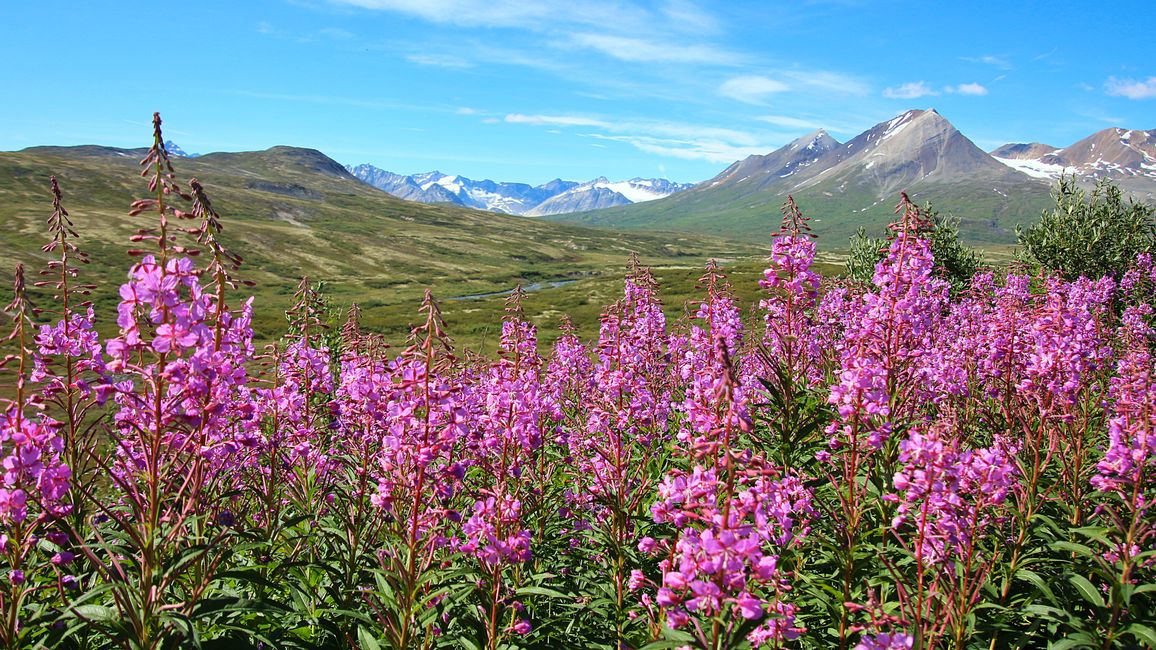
[546, 15]
[710, 150]
[751, 89]
[1131, 88]
[829, 81]
[911, 90]
[789, 122]
[967, 89]
[555, 120]
[988, 59]
[440, 61]
[674, 139]
[637, 50]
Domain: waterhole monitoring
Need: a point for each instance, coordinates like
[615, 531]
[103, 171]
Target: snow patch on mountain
[555, 197]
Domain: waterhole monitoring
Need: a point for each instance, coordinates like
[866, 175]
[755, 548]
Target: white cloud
[637, 50]
[673, 139]
[555, 120]
[466, 110]
[707, 149]
[988, 59]
[967, 89]
[492, 13]
[439, 60]
[829, 81]
[789, 122]
[912, 90]
[751, 89]
[1131, 88]
[539, 15]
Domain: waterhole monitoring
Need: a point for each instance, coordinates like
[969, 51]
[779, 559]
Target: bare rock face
[1125, 157]
[759, 172]
[1023, 151]
[918, 146]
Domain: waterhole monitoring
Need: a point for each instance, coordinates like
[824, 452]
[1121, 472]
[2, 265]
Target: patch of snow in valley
[1037, 169]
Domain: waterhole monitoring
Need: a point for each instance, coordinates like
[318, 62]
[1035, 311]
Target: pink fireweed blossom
[1128, 468]
[626, 413]
[200, 380]
[886, 641]
[34, 476]
[789, 318]
[1066, 343]
[714, 404]
[948, 496]
[723, 563]
[887, 340]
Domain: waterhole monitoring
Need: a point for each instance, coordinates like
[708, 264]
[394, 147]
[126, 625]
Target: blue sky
[529, 91]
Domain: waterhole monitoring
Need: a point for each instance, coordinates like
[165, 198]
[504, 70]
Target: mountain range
[1126, 157]
[857, 183]
[556, 197]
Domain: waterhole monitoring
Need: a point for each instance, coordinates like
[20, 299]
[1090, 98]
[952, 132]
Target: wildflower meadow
[896, 464]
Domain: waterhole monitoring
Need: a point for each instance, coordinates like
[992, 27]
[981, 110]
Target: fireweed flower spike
[36, 480]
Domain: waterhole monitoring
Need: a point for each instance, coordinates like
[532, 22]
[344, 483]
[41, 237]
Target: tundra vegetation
[913, 459]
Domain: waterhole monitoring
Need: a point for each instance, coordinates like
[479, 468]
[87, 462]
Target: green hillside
[291, 212]
[987, 217]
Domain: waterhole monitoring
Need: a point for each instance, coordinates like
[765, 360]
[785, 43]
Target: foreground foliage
[890, 464]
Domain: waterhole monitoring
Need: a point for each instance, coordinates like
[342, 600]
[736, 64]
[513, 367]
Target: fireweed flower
[789, 321]
[948, 496]
[34, 476]
[723, 563]
[1128, 468]
[630, 396]
[704, 367]
[1066, 343]
[886, 641]
[199, 382]
[886, 339]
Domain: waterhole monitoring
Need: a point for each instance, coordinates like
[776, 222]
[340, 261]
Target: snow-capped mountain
[602, 193]
[1126, 157]
[763, 170]
[555, 197]
[848, 185]
[175, 150]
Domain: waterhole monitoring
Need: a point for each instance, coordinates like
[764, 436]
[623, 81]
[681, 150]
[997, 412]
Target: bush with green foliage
[954, 261]
[1089, 235]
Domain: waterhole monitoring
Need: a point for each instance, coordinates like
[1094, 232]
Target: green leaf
[541, 591]
[366, 639]
[1087, 590]
[1038, 582]
[1078, 549]
[1143, 633]
[97, 613]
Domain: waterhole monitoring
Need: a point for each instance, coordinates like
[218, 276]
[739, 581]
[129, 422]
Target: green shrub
[954, 261]
[1088, 235]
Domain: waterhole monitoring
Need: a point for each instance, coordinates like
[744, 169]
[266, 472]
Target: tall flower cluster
[34, 475]
[789, 322]
[630, 395]
[723, 564]
[948, 496]
[507, 436]
[1128, 468]
[886, 338]
[714, 404]
[1066, 342]
[185, 396]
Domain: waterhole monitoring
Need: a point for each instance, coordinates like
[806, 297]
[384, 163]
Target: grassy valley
[292, 212]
